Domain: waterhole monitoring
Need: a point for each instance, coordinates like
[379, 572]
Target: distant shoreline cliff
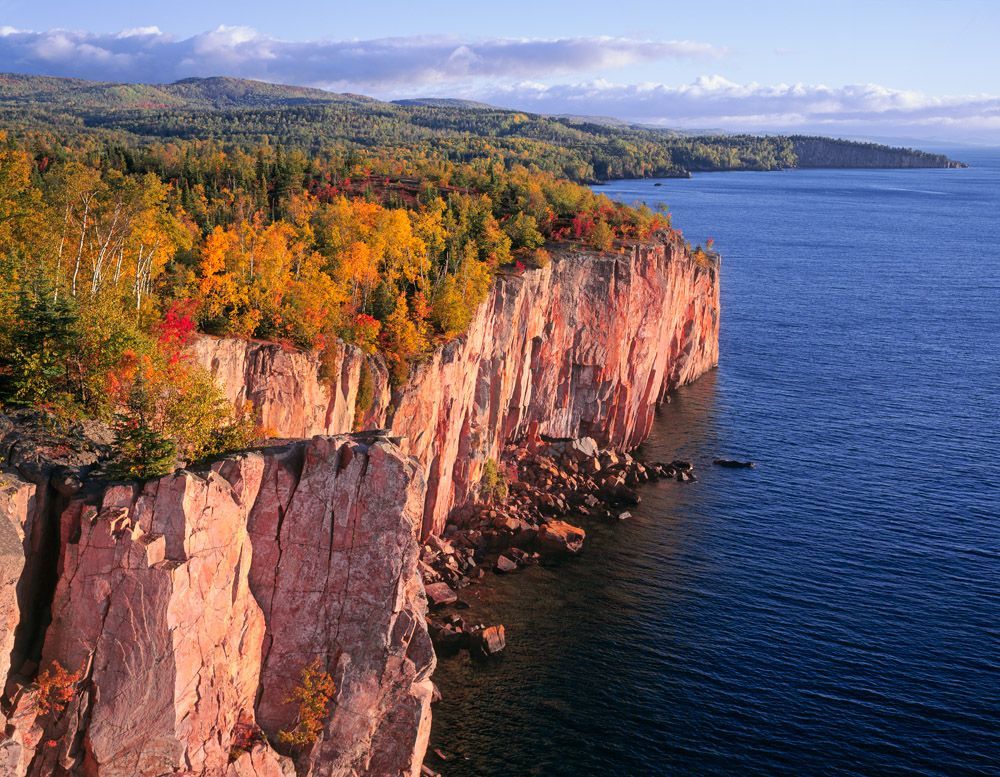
[812, 152]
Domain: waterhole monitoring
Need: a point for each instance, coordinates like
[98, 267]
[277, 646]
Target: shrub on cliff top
[313, 695]
[365, 397]
[167, 408]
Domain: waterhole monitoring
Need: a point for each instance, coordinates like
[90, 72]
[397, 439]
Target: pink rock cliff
[585, 346]
[188, 606]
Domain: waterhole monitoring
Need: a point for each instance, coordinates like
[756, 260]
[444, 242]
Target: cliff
[833, 153]
[296, 394]
[586, 346]
[186, 608]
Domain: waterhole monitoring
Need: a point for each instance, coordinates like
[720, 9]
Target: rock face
[296, 394]
[187, 607]
[586, 346]
[16, 509]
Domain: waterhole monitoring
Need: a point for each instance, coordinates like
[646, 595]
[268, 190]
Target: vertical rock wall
[585, 346]
[187, 608]
[296, 394]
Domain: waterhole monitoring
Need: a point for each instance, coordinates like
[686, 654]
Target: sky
[923, 69]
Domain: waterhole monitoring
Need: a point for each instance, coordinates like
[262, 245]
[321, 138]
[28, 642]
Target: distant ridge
[217, 92]
[245, 112]
[446, 102]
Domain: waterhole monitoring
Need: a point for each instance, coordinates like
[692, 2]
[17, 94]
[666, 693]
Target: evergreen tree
[43, 334]
[142, 452]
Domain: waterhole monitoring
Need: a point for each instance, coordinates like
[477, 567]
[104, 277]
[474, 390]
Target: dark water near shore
[835, 611]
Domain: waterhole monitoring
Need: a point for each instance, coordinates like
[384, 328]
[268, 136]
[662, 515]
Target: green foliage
[168, 411]
[365, 397]
[522, 229]
[43, 334]
[601, 237]
[141, 451]
[493, 486]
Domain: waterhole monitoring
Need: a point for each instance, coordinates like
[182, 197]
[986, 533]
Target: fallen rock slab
[440, 594]
[488, 641]
[561, 537]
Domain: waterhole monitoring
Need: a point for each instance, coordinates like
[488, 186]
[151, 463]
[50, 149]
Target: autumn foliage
[112, 257]
[56, 689]
[312, 695]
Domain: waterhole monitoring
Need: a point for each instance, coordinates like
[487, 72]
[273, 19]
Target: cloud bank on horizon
[510, 72]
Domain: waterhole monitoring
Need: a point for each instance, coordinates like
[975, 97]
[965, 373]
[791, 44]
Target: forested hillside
[133, 215]
[249, 112]
[113, 251]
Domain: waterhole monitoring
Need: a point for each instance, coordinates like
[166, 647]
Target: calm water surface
[836, 610]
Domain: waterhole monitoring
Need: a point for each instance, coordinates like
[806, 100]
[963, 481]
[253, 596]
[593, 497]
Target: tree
[141, 450]
[601, 236]
[523, 232]
[402, 339]
[43, 336]
[493, 484]
[312, 695]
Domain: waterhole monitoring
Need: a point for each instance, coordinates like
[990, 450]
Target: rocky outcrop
[296, 394]
[186, 608]
[16, 497]
[586, 346]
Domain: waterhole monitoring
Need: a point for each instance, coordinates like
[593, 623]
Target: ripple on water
[834, 610]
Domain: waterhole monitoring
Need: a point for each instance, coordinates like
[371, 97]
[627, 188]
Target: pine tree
[142, 452]
[33, 366]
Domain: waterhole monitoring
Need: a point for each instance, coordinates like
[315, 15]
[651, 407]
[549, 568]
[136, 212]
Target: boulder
[487, 641]
[440, 594]
[734, 464]
[561, 537]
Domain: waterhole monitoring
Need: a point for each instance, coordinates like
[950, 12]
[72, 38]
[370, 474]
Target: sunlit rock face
[295, 394]
[189, 605]
[586, 346]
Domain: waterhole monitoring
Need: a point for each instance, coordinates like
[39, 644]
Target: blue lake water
[836, 610]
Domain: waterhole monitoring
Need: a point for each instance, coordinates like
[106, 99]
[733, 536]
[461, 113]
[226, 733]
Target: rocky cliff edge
[184, 610]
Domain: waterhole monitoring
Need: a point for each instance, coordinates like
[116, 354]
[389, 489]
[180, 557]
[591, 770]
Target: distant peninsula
[238, 111]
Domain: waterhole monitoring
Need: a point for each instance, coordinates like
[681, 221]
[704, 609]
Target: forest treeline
[113, 254]
[249, 112]
[132, 216]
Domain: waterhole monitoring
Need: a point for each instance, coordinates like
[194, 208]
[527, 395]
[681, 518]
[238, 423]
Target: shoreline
[553, 484]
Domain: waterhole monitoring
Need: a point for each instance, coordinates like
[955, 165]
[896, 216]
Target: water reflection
[567, 622]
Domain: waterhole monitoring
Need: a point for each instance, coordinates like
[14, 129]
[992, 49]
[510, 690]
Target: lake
[837, 609]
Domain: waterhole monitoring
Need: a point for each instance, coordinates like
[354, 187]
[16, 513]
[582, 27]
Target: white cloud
[716, 102]
[522, 73]
[148, 54]
[140, 32]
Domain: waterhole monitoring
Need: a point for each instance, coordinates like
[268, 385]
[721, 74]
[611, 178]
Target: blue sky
[921, 69]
